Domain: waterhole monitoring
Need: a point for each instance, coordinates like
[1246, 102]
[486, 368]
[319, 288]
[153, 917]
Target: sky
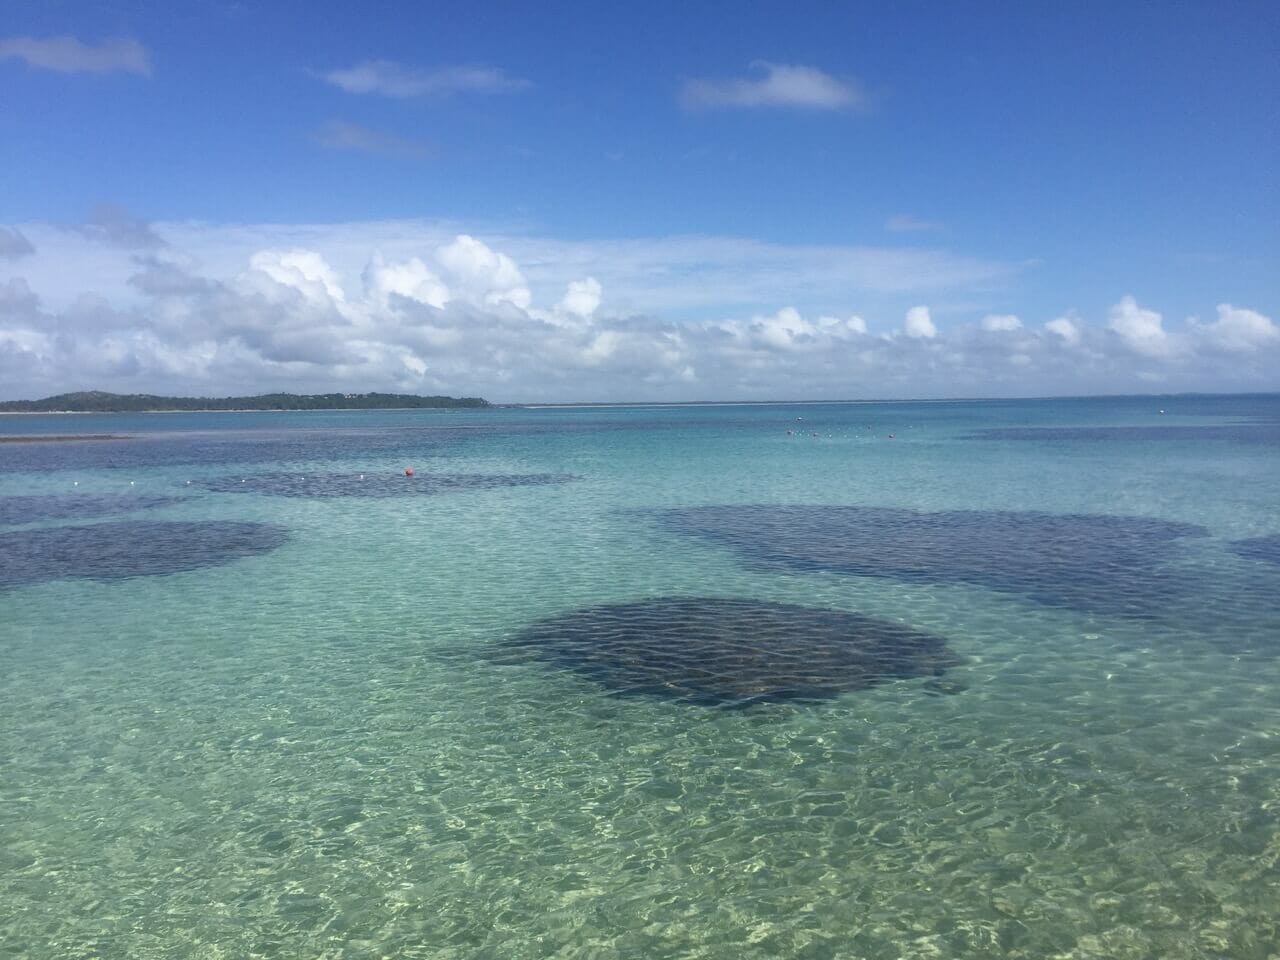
[657, 202]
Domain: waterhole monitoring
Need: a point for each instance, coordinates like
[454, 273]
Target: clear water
[310, 749]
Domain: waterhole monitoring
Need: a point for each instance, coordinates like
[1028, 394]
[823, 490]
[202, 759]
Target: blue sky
[669, 201]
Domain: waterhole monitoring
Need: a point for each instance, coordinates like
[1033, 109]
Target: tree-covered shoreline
[97, 401]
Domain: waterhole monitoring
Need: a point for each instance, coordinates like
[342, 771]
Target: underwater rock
[1095, 563]
[324, 485]
[116, 551]
[727, 652]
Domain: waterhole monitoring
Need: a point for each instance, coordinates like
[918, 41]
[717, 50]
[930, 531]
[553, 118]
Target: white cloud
[1065, 329]
[1240, 331]
[785, 330]
[582, 298]
[13, 244]
[1142, 331]
[409, 278]
[225, 310]
[390, 79]
[303, 270]
[69, 55]
[780, 85]
[919, 325]
[1001, 323]
[482, 275]
[844, 329]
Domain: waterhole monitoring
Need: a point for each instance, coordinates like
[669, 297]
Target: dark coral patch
[324, 485]
[1259, 548]
[29, 509]
[115, 551]
[729, 653]
[1103, 564]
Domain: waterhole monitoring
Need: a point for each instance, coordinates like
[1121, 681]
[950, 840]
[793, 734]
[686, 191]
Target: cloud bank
[521, 318]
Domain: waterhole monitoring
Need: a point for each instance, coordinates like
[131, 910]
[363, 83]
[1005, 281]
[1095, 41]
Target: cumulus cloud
[1001, 323]
[302, 270]
[1065, 329]
[69, 55]
[483, 275]
[1240, 331]
[391, 79]
[411, 279]
[786, 329]
[582, 298]
[778, 85]
[340, 135]
[13, 244]
[919, 325]
[842, 329]
[757, 342]
[1142, 331]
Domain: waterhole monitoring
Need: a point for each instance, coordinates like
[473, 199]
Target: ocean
[864, 680]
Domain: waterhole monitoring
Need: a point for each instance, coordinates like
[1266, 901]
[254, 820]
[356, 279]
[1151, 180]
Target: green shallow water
[308, 753]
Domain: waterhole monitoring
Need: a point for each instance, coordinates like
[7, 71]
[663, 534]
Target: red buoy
[409, 472]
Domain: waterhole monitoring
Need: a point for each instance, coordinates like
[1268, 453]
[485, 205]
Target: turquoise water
[311, 742]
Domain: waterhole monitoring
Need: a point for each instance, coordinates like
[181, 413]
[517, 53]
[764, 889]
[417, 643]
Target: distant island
[96, 401]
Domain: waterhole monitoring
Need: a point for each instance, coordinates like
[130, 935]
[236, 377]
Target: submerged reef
[117, 551]
[1095, 563]
[728, 652]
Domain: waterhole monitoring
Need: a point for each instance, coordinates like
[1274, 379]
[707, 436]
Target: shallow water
[319, 750]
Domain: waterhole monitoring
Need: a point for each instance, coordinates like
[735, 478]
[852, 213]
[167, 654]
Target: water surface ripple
[352, 727]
